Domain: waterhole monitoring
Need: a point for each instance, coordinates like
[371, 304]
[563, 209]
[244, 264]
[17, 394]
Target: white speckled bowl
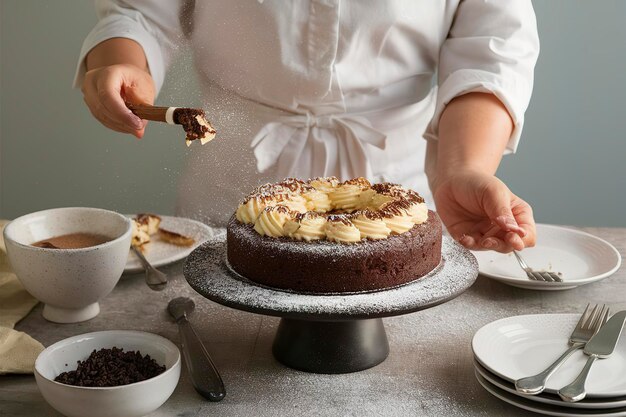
[69, 281]
[130, 400]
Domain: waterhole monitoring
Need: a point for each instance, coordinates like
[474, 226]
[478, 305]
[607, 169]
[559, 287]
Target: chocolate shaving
[333, 181]
[111, 368]
[339, 218]
[360, 181]
[368, 214]
[398, 192]
[295, 185]
[279, 209]
[395, 208]
[306, 215]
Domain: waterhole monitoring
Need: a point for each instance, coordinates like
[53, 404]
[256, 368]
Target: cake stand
[332, 333]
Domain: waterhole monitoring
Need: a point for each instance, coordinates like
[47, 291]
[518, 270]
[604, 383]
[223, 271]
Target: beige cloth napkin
[18, 350]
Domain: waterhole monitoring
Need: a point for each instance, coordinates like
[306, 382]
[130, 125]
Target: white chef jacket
[310, 88]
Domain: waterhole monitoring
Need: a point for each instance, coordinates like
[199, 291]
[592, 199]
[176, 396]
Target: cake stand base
[331, 347]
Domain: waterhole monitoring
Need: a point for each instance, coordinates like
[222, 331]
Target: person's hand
[105, 89]
[480, 212]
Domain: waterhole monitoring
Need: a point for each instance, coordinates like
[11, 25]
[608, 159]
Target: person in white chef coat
[390, 90]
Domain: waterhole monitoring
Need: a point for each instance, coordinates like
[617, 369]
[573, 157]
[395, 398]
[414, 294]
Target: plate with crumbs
[578, 257]
[160, 252]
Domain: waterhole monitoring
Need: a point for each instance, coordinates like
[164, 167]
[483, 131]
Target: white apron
[327, 87]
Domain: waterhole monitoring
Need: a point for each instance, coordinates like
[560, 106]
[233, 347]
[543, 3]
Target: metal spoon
[204, 375]
[155, 279]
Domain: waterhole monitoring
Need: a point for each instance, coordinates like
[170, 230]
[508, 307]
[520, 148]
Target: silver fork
[537, 275]
[155, 279]
[588, 325]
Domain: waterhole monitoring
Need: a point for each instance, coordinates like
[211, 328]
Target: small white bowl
[69, 281]
[130, 400]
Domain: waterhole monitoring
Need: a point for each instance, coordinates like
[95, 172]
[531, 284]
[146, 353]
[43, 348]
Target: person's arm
[117, 51]
[477, 208]
[473, 132]
[485, 80]
[125, 57]
[117, 71]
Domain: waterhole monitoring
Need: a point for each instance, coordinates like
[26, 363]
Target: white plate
[160, 253]
[580, 258]
[546, 409]
[520, 346]
[546, 398]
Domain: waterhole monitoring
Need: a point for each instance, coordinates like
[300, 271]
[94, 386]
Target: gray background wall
[570, 165]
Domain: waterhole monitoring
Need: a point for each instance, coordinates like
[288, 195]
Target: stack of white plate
[516, 347]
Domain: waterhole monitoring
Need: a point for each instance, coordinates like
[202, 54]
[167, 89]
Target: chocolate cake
[323, 236]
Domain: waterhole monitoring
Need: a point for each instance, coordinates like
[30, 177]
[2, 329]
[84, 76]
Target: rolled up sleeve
[492, 47]
[152, 24]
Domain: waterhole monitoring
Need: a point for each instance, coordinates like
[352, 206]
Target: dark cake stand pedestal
[335, 333]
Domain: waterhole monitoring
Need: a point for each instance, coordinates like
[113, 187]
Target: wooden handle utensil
[193, 120]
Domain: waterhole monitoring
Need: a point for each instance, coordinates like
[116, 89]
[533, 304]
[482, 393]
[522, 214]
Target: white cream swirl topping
[324, 208]
[365, 198]
[371, 227]
[340, 229]
[378, 201]
[399, 222]
[418, 212]
[272, 220]
[346, 197]
[309, 226]
[325, 184]
[250, 210]
[317, 201]
[295, 203]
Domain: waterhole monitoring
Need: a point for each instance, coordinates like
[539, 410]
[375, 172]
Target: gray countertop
[428, 371]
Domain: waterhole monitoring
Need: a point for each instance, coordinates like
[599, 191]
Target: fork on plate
[588, 325]
[537, 275]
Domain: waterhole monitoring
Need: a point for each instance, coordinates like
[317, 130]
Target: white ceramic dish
[161, 253]
[546, 398]
[520, 346]
[69, 281]
[546, 409]
[580, 258]
[130, 400]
